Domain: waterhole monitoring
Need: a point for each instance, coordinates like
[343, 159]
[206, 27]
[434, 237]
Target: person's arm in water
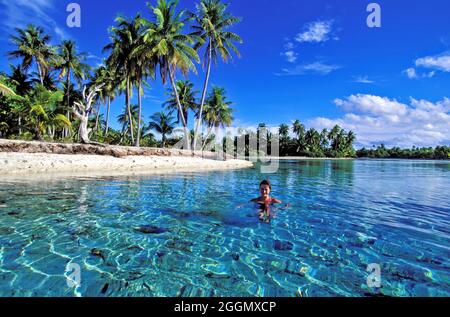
[276, 201]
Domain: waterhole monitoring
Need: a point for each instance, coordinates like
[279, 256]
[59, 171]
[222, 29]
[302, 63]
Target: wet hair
[265, 182]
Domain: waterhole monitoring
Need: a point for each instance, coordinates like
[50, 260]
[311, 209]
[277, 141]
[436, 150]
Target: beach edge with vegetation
[31, 158]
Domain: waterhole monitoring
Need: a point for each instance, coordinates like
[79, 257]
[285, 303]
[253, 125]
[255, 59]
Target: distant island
[422, 153]
[338, 143]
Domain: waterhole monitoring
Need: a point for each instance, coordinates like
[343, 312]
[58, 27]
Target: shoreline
[306, 158]
[33, 158]
[17, 164]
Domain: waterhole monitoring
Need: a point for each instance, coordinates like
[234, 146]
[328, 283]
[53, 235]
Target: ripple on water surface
[183, 235]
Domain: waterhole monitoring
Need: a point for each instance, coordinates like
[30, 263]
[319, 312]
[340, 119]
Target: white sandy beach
[29, 164]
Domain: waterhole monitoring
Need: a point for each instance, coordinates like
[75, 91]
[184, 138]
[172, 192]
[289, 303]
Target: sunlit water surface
[344, 215]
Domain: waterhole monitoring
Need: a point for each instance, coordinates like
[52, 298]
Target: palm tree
[217, 111]
[283, 131]
[312, 140]
[334, 137]
[109, 78]
[128, 123]
[20, 79]
[351, 137]
[144, 63]
[126, 39]
[97, 121]
[49, 80]
[212, 20]
[349, 140]
[71, 62]
[165, 40]
[299, 129]
[42, 114]
[32, 46]
[23, 86]
[163, 124]
[5, 90]
[324, 139]
[187, 98]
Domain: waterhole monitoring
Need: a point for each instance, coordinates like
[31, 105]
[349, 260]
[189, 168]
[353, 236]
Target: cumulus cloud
[316, 32]
[371, 104]
[439, 62]
[317, 67]
[377, 119]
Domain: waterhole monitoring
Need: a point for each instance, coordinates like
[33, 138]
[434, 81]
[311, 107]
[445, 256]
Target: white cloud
[289, 46]
[20, 13]
[363, 80]
[440, 62]
[290, 56]
[94, 57]
[371, 104]
[152, 98]
[377, 119]
[412, 74]
[317, 67]
[60, 32]
[316, 32]
[289, 52]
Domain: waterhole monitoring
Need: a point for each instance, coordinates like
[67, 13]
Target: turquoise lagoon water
[193, 241]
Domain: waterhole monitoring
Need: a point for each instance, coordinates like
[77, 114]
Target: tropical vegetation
[166, 40]
[437, 153]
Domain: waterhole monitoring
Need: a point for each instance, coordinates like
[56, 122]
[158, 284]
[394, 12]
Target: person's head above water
[265, 188]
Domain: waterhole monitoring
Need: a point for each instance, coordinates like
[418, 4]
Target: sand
[32, 164]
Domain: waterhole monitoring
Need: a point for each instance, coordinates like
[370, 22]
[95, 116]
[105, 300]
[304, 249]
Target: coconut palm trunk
[107, 116]
[205, 89]
[66, 130]
[97, 118]
[163, 140]
[138, 136]
[207, 137]
[128, 97]
[41, 75]
[187, 143]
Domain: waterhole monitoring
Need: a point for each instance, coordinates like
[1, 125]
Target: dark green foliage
[438, 153]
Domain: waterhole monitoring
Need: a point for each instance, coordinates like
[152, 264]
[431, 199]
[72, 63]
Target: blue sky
[316, 61]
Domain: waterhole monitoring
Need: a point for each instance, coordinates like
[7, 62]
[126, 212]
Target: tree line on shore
[437, 153]
[311, 143]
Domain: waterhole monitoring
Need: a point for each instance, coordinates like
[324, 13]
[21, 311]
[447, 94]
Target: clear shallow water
[344, 216]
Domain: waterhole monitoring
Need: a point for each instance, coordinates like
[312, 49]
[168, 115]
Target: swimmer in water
[265, 201]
